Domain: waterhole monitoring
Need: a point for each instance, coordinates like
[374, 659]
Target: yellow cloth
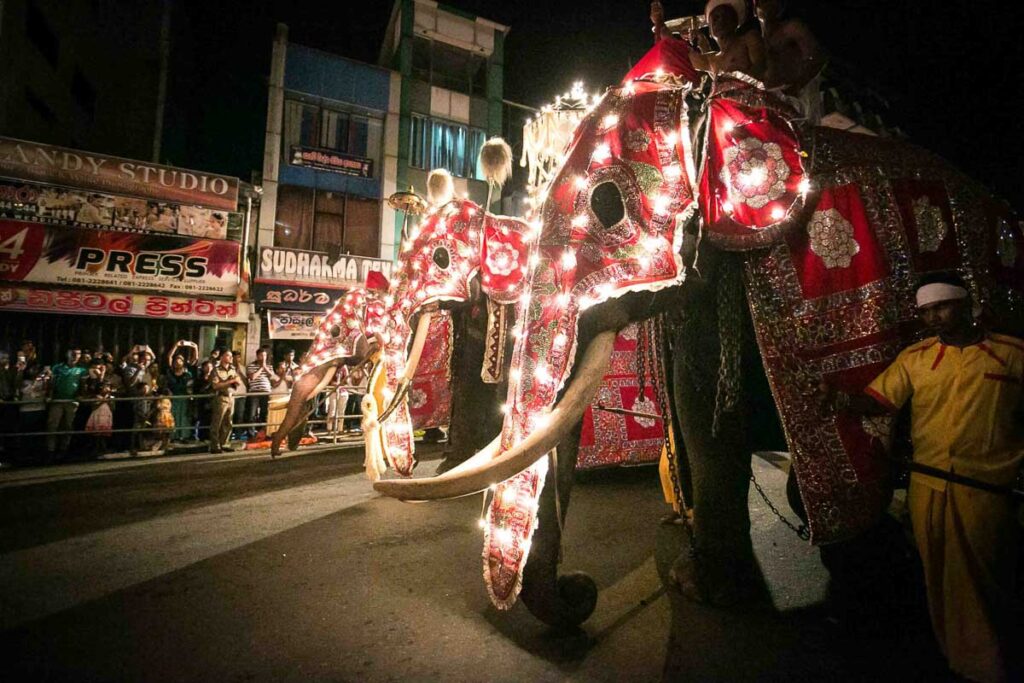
[665, 475]
[968, 542]
[962, 404]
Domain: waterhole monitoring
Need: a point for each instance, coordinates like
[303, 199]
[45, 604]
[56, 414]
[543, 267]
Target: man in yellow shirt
[964, 387]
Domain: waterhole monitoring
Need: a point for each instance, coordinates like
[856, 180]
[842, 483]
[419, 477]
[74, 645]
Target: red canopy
[671, 55]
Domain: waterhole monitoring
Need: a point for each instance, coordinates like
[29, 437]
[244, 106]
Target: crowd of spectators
[51, 413]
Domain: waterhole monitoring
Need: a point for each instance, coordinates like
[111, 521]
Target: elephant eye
[606, 203]
[336, 331]
[441, 258]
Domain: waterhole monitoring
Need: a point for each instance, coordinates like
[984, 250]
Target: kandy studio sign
[104, 173]
[316, 268]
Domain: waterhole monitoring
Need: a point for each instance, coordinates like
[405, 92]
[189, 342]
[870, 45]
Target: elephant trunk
[562, 602]
[479, 474]
[305, 388]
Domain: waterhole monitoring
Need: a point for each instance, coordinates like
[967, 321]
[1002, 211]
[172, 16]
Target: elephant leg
[563, 602]
[720, 567]
[476, 416]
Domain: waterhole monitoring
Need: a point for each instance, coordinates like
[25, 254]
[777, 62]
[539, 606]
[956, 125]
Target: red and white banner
[84, 258]
[122, 305]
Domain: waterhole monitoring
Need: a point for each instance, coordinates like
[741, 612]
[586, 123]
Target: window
[449, 67]
[440, 144]
[302, 124]
[311, 126]
[335, 130]
[39, 32]
[326, 221]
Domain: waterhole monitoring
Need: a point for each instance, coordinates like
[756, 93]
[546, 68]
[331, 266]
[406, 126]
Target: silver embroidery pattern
[931, 226]
[832, 238]
[1006, 245]
[645, 405]
[878, 427]
[754, 172]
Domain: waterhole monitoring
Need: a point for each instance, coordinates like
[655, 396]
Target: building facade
[342, 136]
[101, 252]
[450, 66]
[85, 75]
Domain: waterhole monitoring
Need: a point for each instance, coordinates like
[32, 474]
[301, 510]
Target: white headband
[738, 5]
[939, 291]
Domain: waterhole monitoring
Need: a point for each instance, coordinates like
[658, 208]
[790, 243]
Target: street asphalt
[240, 568]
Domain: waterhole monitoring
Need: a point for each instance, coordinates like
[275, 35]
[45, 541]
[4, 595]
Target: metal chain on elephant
[730, 381]
[650, 340]
[730, 335]
[802, 531]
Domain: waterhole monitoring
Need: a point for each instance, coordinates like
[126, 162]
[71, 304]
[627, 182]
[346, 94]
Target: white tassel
[440, 187]
[496, 161]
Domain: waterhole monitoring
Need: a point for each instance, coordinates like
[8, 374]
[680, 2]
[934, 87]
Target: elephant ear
[752, 182]
[503, 258]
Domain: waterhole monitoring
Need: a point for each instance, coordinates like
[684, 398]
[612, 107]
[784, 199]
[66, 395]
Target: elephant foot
[294, 438]
[275, 445]
[730, 587]
[565, 603]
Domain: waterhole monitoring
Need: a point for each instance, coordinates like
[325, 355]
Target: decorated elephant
[439, 265]
[473, 286]
[819, 233]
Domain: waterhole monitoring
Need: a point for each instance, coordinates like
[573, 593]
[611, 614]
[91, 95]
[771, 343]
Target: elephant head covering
[739, 6]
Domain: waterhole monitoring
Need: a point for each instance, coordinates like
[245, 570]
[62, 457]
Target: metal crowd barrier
[319, 402]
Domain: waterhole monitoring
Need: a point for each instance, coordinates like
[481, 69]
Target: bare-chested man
[794, 55]
[737, 52]
[795, 59]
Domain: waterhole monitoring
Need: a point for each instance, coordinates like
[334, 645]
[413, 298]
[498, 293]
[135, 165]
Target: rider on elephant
[795, 58]
[743, 52]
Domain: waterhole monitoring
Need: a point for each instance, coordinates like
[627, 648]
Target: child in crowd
[164, 418]
[101, 419]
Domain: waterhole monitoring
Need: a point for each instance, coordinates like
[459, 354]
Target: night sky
[950, 71]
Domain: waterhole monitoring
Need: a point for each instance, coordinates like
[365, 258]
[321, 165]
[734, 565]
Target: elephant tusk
[479, 472]
[418, 342]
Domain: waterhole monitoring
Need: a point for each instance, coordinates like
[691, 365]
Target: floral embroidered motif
[645, 405]
[638, 140]
[502, 258]
[417, 398]
[931, 226]
[754, 172]
[832, 238]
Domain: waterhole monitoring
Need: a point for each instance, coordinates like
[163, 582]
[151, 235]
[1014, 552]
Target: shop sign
[104, 173]
[30, 252]
[294, 297]
[68, 207]
[80, 302]
[296, 266]
[293, 324]
[332, 160]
